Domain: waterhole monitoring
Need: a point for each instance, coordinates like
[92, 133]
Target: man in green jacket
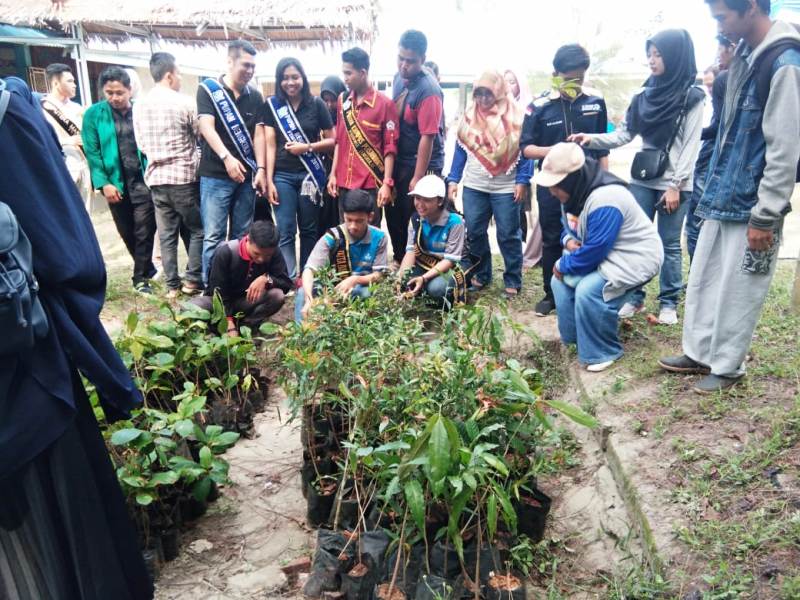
[117, 169]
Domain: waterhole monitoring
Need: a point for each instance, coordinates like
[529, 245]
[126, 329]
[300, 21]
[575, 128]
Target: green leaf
[184, 428]
[497, 464]
[573, 412]
[469, 479]
[362, 452]
[144, 499]
[131, 322]
[416, 502]
[472, 429]
[134, 482]
[125, 436]
[206, 457]
[392, 488]
[391, 446]
[439, 451]
[226, 439]
[491, 515]
[509, 514]
[201, 489]
[457, 483]
[159, 341]
[165, 478]
[231, 381]
[162, 360]
[269, 329]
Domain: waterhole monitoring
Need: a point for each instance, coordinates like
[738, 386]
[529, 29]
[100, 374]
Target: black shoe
[143, 287]
[544, 307]
[683, 364]
[712, 384]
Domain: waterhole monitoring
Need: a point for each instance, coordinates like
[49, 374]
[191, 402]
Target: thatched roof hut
[263, 22]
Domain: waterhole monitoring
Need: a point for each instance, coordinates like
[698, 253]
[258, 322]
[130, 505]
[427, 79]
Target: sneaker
[629, 309]
[173, 293]
[143, 287]
[711, 384]
[544, 307]
[683, 364]
[596, 368]
[190, 288]
[668, 316]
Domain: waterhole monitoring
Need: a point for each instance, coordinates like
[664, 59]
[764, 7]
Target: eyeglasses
[483, 93]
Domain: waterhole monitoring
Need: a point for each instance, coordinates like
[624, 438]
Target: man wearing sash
[228, 110]
[435, 245]
[420, 148]
[355, 249]
[366, 137]
[66, 118]
[117, 168]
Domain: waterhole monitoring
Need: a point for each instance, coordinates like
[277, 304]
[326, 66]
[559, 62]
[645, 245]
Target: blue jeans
[478, 209]
[694, 222]
[669, 230]
[360, 291]
[587, 320]
[439, 288]
[221, 201]
[293, 212]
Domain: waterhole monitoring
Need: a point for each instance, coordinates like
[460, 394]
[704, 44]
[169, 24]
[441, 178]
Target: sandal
[510, 293]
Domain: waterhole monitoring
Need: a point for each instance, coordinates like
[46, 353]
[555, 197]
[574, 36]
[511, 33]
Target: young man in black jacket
[250, 277]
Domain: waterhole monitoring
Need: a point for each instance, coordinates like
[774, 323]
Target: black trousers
[136, 224]
[399, 214]
[550, 221]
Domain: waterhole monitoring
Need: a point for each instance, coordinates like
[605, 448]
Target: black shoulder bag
[651, 163]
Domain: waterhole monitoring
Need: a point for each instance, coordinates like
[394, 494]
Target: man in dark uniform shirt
[550, 119]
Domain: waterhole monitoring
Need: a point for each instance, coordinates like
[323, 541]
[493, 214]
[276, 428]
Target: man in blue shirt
[550, 119]
[356, 249]
[435, 243]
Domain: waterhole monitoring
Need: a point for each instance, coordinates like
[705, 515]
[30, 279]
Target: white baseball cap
[563, 159]
[429, 186]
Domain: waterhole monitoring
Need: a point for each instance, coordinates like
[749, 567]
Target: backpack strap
[763, 68]
[5, 96]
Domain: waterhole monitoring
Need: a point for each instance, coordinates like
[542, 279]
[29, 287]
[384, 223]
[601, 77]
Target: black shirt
[231, 275]
[313, 116]
[135, 188]
[248, 104]
[550, 119]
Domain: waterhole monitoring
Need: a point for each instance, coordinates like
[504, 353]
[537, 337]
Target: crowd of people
[329, 168]
[234, 179]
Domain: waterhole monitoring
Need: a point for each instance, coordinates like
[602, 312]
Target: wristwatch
[389, 181]
[224, 155]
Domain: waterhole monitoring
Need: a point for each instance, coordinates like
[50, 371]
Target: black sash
[60, 118]
[365, 151]
[340, 253]
[428, 261]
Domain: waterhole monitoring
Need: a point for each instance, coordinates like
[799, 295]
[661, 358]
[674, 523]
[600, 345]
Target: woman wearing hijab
[668, 115]
[332, 87]
[611, 248]
[495, 177]
[64, 527]
[529, 218]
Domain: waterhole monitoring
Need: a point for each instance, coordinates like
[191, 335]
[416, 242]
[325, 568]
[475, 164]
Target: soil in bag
[359, 582]
[321, 496]
[532, 510]
[444, 560]
[504, 587]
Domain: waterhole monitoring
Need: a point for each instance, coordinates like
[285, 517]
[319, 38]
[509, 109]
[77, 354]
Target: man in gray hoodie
[749, 185]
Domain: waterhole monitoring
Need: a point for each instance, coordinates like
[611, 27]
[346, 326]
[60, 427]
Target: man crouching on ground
[250, 277]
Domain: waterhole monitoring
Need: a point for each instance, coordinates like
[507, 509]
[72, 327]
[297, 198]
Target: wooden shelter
[263, 23]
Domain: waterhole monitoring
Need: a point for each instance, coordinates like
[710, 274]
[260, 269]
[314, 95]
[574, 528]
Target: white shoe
[668, 316]
[599, 366]
[628, 310]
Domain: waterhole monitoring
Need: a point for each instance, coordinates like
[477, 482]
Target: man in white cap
[435, 244]
[611, 248]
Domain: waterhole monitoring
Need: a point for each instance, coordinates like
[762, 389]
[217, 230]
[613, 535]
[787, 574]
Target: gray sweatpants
[723, 300]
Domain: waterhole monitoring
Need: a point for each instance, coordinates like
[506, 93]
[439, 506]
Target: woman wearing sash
[293, 120]
[496, 178]
[668, 115]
